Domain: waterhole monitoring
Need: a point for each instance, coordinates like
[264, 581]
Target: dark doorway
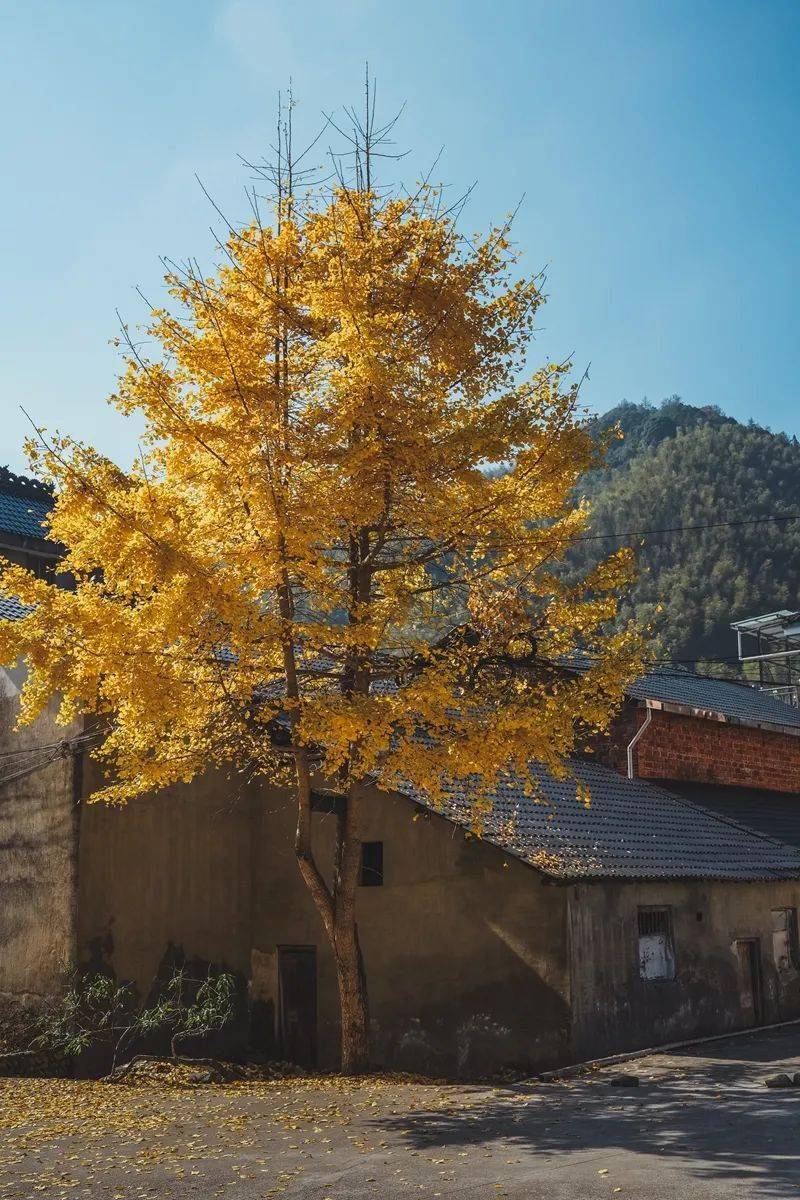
[751, 999]
[297, 1004]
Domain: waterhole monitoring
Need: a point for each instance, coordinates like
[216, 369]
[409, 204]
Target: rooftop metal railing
[788, 693]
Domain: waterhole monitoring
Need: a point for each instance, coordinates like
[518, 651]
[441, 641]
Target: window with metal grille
[785, 949]
[653, 920]
[371, 864]
[656, 950]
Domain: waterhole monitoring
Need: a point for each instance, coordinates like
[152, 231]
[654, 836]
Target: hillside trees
[682, 466]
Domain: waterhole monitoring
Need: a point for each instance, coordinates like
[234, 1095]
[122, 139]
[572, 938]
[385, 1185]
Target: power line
[597, 537]
[654, 662]
[81, 738]
[58, 752]
[30, 769]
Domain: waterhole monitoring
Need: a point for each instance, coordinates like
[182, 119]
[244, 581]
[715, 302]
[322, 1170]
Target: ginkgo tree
[309, 574]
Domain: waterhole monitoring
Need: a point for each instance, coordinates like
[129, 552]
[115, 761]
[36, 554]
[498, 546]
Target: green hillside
[680, 465]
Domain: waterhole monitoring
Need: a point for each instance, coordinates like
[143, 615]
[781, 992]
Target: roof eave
[709, 714]
[610, 877]
[41, 546]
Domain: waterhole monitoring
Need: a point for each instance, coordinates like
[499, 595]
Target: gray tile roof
[775, 814]
[23, 515]
[630, 830]
[11, 610]
[737, 701]
[720, 697]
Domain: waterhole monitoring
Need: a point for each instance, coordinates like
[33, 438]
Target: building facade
[562, 933]
[665, 910]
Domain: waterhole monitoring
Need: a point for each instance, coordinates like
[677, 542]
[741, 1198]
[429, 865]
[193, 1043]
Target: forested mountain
[679, 465]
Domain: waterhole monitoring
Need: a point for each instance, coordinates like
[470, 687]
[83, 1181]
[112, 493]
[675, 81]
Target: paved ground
[700, 1125]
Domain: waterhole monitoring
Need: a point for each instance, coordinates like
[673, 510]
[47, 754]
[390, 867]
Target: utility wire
[84, 737]
[654, 662]
[58, 752]
[632, 533]
[29, 770]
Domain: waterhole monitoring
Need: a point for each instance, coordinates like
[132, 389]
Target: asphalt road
[700, 1124]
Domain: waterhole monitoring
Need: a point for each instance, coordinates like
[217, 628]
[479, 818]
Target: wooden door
[297, 1004]
[750, 992]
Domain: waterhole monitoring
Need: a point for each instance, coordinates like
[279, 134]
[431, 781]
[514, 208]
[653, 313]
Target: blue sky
[656, 145]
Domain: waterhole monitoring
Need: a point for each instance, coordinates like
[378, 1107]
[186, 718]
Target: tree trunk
[339, 921]
[336, 907]
[347, 951]
[353, 1000]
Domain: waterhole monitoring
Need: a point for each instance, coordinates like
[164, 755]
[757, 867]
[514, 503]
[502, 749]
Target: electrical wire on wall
[18, 764]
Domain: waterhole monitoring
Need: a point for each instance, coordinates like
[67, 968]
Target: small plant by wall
[95, 1013]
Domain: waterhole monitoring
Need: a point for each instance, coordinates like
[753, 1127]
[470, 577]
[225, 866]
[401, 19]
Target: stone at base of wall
[29, 1063]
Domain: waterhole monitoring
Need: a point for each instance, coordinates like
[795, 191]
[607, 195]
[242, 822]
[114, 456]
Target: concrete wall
[473, 961]
[172, 870]
[614, 1009]
[464, 947]
[38, 816]
[465, 950]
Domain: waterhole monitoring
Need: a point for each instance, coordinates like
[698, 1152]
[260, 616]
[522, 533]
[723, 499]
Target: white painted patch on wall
[656, 946]
[656, 959]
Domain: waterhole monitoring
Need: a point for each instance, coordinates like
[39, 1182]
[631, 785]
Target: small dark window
[656, 951]
[371, 864]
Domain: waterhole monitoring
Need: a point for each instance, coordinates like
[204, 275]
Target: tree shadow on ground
[720, 1127]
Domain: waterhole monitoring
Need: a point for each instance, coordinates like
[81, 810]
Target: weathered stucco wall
[171, 870]
[473, 960]
[614, 1009]
[38, 817]
[464, 947]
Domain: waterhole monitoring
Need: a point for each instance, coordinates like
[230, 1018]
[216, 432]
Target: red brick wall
[698, 750]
